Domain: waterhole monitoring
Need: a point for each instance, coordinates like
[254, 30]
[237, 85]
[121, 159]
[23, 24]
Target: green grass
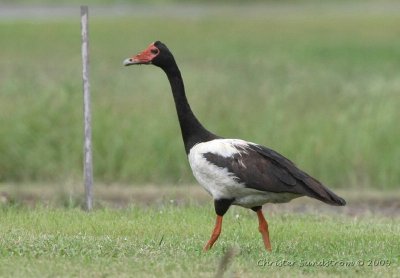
[322, 89]
[167, 241]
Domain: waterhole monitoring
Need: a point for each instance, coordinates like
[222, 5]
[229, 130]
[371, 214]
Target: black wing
[264, 169]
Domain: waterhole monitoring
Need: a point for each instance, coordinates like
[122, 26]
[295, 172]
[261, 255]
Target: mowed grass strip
[167, 240]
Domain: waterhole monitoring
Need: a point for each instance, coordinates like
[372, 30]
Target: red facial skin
[144, 57]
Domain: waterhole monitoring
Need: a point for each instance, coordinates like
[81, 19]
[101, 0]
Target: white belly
[258, 198]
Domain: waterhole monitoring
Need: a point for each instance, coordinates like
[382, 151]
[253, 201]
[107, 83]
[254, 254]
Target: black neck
[192, 130]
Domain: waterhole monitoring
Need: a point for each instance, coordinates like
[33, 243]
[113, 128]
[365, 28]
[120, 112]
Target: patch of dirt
[359, 202]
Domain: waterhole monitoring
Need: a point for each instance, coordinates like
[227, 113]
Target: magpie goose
[233, 171]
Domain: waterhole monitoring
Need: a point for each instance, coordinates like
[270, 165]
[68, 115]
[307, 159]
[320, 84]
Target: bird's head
[156, 54]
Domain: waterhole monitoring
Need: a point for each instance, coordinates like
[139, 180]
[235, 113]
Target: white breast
[216, 180]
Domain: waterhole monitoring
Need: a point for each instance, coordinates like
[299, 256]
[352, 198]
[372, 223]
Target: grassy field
[318, 85]
[167, 240]
[155, 231]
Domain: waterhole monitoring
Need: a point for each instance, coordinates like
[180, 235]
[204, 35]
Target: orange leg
[215, 234]
[263, 228]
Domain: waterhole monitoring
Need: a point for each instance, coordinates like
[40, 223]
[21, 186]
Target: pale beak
[130, 61]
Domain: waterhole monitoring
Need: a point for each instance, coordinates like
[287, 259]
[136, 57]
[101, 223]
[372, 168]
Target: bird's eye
[154, 50]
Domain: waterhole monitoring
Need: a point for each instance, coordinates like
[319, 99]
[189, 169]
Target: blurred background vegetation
[318, 82]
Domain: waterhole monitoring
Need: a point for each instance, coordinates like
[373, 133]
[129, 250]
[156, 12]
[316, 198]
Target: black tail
[331, 198]
[310, 186]
[317, 191]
